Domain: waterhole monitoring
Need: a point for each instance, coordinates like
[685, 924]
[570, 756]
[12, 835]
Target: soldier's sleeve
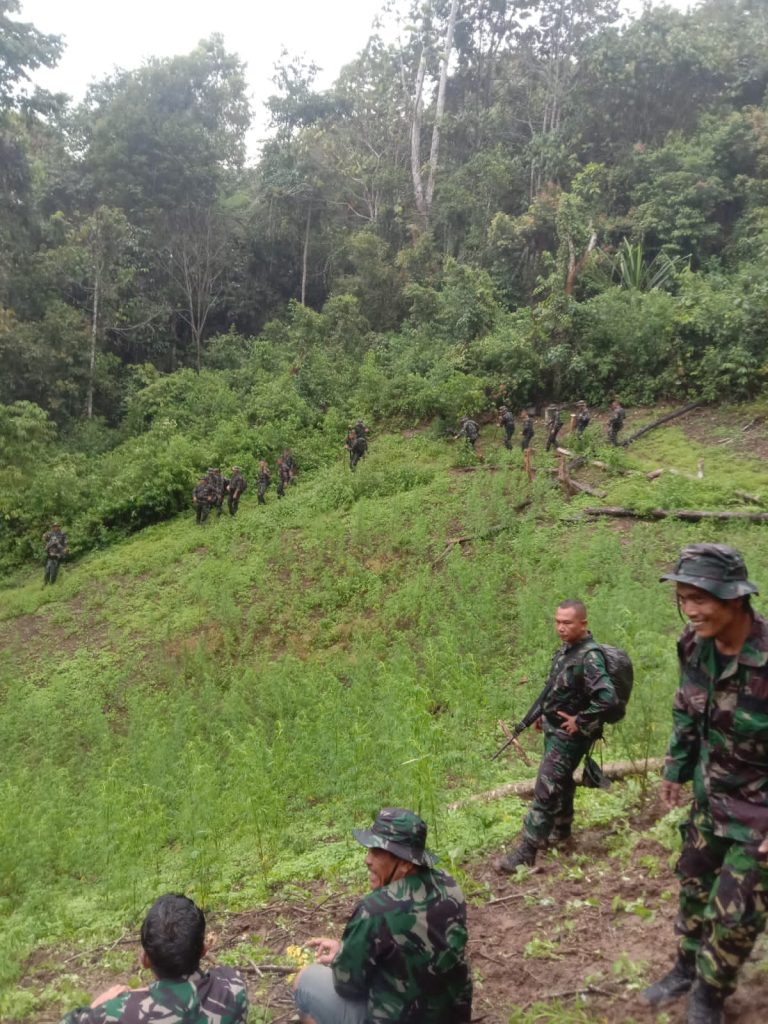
[683, 750]
[600, 690]
[356, 959]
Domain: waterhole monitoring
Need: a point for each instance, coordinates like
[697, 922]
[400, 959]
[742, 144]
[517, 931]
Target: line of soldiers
[211, 490]
[356, 443]
[553, 422]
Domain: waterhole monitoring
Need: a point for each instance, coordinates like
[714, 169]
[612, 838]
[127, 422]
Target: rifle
[532, 715]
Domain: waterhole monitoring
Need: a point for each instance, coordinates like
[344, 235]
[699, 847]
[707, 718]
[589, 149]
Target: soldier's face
[381, 864]
[709, 616]
[569, 625]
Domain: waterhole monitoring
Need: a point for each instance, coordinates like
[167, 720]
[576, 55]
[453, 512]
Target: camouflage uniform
[581, 687]
[582, 418]
[527, 433]
[216, 997]
[470, 430]
[357, 446]
[283, 477]
[263, 481]
[218, 485]
[616, 422]
[290, 462]
[202, 499]
[360, 429]
[554, 422]
[55, 549]
[236, 488]
[507, 420]
[402, 958]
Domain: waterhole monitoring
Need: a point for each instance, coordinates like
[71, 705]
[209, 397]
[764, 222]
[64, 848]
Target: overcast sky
[103, 34]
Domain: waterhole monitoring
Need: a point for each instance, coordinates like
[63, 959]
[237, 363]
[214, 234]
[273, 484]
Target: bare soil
[586, 929]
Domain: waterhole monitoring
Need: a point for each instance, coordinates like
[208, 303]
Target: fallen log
[469, 537]
[613, 770]
[687, 514]
[659, 422]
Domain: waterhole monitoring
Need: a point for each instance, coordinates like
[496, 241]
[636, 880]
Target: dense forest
[520, 201]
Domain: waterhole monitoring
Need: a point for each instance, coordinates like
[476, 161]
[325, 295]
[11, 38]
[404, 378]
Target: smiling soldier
[720, 742]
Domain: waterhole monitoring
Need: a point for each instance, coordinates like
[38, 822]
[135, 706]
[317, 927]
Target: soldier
[470, 430]
[56, 548]
[263, 481]
[527, 431]
[357, 446]
[283, 477]
[202, 499]
[360, 429]
[553, 422]
[616, 421]
[582, 418]
[507, 420]
[402, 954]
[578, 695]
[719, 730]
[218, 488]
[290, 462]
[236, 487]
[173, 943]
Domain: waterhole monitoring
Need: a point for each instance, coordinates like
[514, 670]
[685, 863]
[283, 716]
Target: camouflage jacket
[720, 732]
[217, 484]
[264, 478]
[237, 484]
[203, 493]
[217, 997]
[403, 951]
[582, 419]
[528, 428]
[507, 420]
[284, 472]
[616, 422]
[55, 544]
[579, 684]
[470, 430]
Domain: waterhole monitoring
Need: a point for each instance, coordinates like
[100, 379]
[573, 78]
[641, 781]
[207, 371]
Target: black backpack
[619, 666]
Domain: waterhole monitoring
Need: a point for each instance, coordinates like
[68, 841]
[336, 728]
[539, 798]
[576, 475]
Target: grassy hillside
[211, 710]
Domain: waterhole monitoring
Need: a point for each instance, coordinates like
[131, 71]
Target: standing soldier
[263, 481]
[616, 422]
[470, 430]
[553, 422]
[357, 446]
[582, 418]
[527, 431]
[507, 420]
[290, 462]
[55, 549]
[283, 477]
[719, 742]
[360, 429]
[236, 486]
[219, 485]
[202, 499]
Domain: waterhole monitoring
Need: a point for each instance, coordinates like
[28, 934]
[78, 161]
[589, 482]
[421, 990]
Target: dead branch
[657, 423]
[745, 496]
[468, 538]
[588, 990]
[613, 770]
[688, 514]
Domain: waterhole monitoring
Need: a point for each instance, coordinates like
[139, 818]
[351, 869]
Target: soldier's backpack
[619, 666]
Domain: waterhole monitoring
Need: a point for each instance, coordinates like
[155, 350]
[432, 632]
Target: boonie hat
[716, 568]
[400, 832]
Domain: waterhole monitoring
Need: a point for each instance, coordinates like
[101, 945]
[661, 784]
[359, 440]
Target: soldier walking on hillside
[507, 420]
[55, 542]
[553, 422]
[263, 481]
[578, 697]
[361, 430]
[469, 430]
[290, 462]
[283, 477]
[236, 487]
[357, 446]
[582, 418]
[616, 421]
[219, 485]
[719, 742]
[202, 499]
[527, 431]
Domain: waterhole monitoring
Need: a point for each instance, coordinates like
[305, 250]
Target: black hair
[173, 935]
[578, 606]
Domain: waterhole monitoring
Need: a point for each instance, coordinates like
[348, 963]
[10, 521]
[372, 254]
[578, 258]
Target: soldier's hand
[111, 993]
[326, 949]
[672, 794]
[763, 847]
[569, 723]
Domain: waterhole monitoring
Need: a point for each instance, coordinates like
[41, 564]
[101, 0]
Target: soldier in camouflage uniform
[283, 477]
[527, 431]
[582, 418]
[720, 743]
[578, 696]
[218, 486]
[507, 420]
[173, 942]
[553, 422]
[616, 421]
[236, 487]
[55, 549]
[263, 481]
[401, 959]
[470, 430]
[357, 446]
[290, 462]
[202, 499]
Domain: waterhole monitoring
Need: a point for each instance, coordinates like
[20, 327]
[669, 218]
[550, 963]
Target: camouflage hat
[715, 568]
[400, 832]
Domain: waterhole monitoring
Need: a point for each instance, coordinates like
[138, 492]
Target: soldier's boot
[523, 856]
[674, 984]
[562, 838]
[706, 1005]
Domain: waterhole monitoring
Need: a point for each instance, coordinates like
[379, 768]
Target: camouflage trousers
[552, 807]
[508, 432]
[723, 901]
[51, 570]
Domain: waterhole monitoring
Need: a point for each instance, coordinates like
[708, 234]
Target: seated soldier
[173, 942]
[401, 957]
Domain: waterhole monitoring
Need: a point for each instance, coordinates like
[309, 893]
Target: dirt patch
[587, 928]
[731, 428]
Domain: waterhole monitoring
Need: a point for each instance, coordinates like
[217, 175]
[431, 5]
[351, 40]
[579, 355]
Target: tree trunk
[94, 339]
[660, 421]
[688, 514]
[305, 258]
[418, 97]
[440, 106]
[576, 266]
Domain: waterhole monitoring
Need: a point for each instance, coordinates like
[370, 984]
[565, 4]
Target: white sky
[103, 34]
